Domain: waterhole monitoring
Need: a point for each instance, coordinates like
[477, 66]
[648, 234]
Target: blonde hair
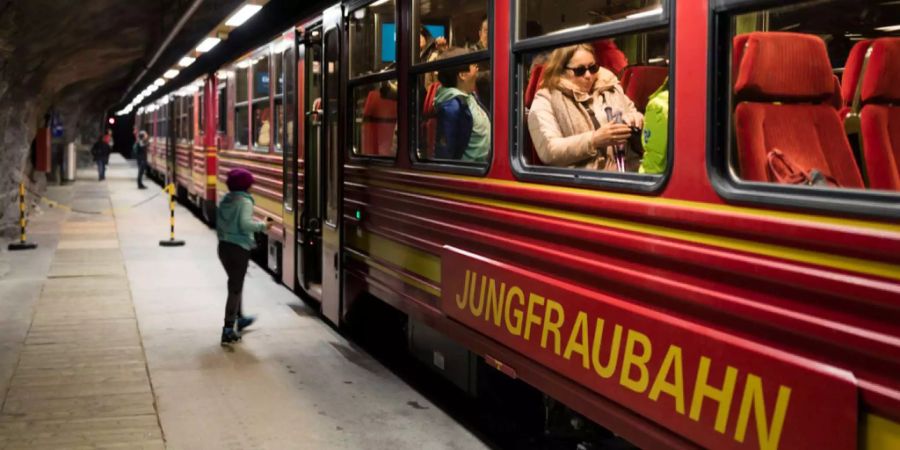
[556, 64]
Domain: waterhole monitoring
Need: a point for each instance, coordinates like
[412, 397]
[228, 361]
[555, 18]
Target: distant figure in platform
[100, 151]
[140, 155]
[236, 229]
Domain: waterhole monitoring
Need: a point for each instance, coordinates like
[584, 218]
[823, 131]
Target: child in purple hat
[236, 230]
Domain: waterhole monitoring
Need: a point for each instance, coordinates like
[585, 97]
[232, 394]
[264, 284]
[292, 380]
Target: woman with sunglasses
[581, 117]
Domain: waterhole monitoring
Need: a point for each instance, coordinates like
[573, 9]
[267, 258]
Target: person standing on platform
[236, 228]
[140, 156]
[100, 151]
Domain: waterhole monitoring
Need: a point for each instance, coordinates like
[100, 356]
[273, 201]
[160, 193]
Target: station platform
[108, 340]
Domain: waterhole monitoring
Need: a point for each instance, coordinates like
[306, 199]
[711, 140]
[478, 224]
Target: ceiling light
[186, 61]
[207, 44]
[159, 82]
[889, 29]
[648, 13]
[246, 12]
[243, 64]
[171, 73]
[378, 3]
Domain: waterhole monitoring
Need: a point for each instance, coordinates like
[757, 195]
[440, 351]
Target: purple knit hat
[239, 180]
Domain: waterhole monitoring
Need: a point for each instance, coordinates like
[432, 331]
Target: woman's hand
[635, 119]
[611, 134]
[269, 223]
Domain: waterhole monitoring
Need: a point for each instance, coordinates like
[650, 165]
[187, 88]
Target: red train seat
[534, 84]
[837, 100]
[783, 122]
[429, 124]
[880, 114]
[639, 82]
[378, 125]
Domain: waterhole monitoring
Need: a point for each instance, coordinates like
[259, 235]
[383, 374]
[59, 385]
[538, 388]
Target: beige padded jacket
[561, 128]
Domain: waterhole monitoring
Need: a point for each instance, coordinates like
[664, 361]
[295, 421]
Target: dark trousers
[234, 260]
[142, 167]
[101, 169]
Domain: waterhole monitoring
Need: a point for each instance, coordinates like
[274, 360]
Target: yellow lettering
[610, 368]
[531, 318]
[722, 396]
[671, 362]
[472, 286]
[476, 311]
[632, 359]
[578, 340]
[552, 326]
[495, 302]
[515, 330]
[753, 397]
[461, 301]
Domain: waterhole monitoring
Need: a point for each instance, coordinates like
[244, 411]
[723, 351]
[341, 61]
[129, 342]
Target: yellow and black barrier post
[23, 243]
[171, 242]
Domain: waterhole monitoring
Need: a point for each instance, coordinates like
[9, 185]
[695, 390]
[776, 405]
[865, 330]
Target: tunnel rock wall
[77, 58]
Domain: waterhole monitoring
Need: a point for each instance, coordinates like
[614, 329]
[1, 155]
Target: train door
[330, 182]
[286, 76]
[310, 79]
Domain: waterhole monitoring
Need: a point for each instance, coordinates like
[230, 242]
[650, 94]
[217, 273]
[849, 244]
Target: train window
[241, 108]
[443, 23]
[222, 101]
[278, 100]
[373, 38]
[593, 103]
[262, 113]
[189, 119]
[455, 124]
[375, 119]
[825, 131]
[201, 110]
[542, 17]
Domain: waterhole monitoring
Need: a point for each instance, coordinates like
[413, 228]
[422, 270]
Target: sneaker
[141, 186]
[244, 322]
[229, 335]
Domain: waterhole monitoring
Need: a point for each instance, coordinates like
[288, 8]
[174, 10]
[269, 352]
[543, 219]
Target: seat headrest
[852, 69]
[882, 78]
[777, 66]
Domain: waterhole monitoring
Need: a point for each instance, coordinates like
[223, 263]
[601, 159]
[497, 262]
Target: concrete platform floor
[109, 341]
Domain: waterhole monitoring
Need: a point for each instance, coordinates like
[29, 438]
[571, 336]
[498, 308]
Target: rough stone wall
[77, 57]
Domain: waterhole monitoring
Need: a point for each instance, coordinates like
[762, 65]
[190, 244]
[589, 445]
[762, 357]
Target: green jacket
[234, 220]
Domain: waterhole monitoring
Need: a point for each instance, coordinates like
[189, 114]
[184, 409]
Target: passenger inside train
[581, 117]
[464, 125]
[629, 79]
[454, 112]
[834, 123]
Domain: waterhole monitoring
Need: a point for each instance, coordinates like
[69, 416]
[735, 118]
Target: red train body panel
[677, 317]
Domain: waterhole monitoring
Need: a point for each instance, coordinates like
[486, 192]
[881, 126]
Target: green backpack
[656, 131]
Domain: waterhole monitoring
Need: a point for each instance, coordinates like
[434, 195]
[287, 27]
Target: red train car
[727, 278]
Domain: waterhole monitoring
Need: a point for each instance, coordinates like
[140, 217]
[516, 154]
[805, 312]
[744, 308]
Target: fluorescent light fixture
[243, 14]
[656, 60]
[648, 13]
[159, 82]
[171, 73]
[207, 44]
[378, 3]
[243, 64]
[889, 29]
[186, 61]
[222, 74]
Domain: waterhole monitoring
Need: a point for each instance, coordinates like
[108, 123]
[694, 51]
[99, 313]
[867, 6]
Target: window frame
[720, 138]
[649, 184]
[277, 55]
[415, 70]
[370, 78]
[235, 105]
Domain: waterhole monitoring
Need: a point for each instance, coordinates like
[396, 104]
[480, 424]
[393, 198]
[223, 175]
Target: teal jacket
[234, 220]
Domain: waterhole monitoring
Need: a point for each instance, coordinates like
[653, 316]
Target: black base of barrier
[21, 246]
[171, 243]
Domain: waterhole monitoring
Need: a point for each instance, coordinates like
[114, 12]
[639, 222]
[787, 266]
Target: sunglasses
[580, 70]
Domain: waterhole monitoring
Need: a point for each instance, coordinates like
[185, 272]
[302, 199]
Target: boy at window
[464, 128]
[581, 117]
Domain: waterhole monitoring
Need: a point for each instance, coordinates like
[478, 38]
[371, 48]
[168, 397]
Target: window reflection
[373, 38]
[542, 17]
[375, 119]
